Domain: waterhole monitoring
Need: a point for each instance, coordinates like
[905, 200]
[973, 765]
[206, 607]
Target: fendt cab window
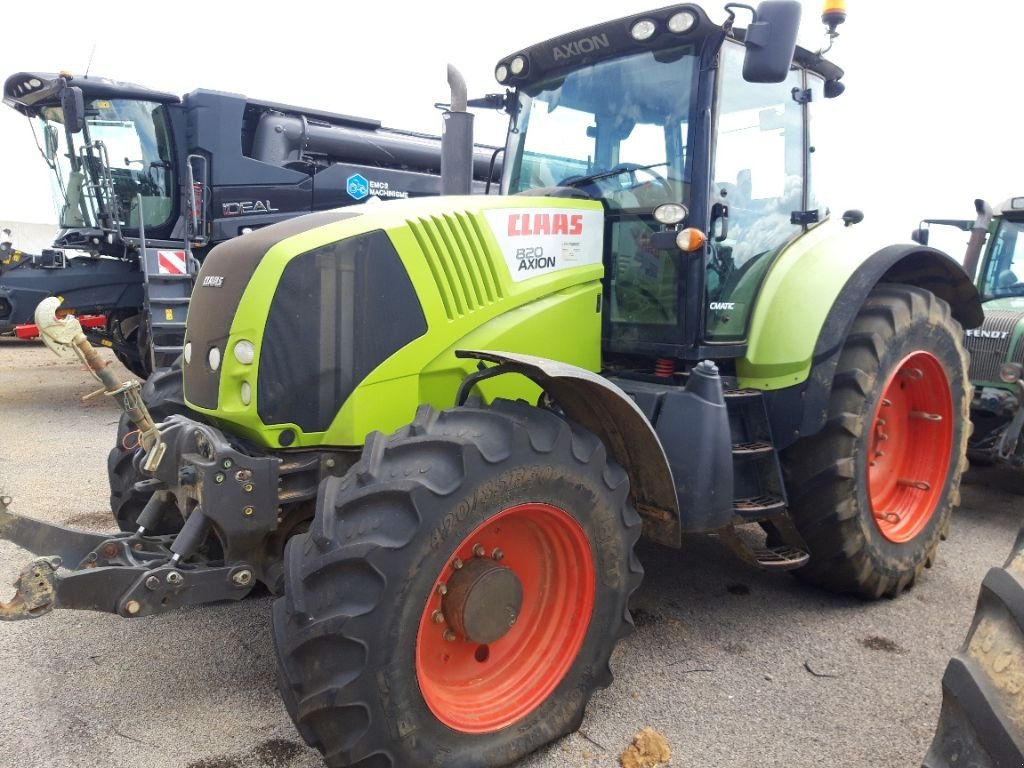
[1004, 275]
[759, 175]
[124, 151]
[617, 131]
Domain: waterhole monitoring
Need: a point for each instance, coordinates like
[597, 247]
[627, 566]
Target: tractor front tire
[164, 395]
[873, 491]
[459, 594]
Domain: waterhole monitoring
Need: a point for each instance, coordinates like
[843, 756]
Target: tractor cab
[681, 131]
[111, 156]
[1001, 278]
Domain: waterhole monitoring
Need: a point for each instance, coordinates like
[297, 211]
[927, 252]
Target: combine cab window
[1004, 273]
[759, 174]
[125, 151]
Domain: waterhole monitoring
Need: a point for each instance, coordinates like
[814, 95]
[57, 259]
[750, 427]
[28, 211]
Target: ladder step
[174, 301]
[742, 394]
[164, 325]
[752, 448]
[759, 506]
[780, 558]
[774, 553]
[167, 350]
[157, 277]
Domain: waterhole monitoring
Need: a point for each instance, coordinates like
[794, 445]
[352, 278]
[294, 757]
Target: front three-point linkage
[131, 574]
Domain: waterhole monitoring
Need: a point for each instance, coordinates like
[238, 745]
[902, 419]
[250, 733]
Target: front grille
[989, 345]
[454, 249]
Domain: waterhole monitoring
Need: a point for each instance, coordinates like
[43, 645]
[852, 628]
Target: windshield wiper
[618, 170]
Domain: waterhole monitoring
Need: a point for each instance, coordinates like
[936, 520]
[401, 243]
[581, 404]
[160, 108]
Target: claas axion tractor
[436, 428]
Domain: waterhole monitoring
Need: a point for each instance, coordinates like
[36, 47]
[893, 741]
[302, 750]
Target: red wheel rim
[910, 447]
[478, 688]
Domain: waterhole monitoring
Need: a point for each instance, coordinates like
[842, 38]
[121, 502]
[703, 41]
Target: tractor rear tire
[873, 491]
[164, 395]
[398, 643]
[981, 724]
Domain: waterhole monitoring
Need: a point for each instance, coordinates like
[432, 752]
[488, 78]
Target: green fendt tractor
[437, 428]
[997, 354]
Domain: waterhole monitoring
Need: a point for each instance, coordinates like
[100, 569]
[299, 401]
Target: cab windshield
[124, 151]
[616, 130]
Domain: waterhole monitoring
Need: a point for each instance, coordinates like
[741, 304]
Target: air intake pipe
[456, 139]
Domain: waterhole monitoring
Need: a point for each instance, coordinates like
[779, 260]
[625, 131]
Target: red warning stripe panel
[31, 330]
[171, 262]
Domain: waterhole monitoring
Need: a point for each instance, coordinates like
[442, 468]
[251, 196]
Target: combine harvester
[147, 182]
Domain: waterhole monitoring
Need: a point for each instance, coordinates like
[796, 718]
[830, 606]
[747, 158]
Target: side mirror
[51, 141]
[771, 41]
[73, 104]
[920, 235]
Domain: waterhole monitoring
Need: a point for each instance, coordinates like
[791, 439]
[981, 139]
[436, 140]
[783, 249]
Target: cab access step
[741, 495]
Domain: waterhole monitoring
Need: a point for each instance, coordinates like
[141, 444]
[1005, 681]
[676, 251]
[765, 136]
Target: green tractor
[997, 355]
[437, 428]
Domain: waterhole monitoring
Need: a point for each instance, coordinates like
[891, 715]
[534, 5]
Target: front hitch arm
[126, 574]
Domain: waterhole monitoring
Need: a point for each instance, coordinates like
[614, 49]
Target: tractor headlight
[1011, 372]
[245, 392]
[681, 22]
[518, 65]
[643, 30]
[670, 213]
[214, 358]
[187, 352]
[501, 73]
[245, 352]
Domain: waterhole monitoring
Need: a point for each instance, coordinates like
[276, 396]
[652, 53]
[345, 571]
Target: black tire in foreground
[459, 594]
[981, 724]
[164, 395]
[873, 491]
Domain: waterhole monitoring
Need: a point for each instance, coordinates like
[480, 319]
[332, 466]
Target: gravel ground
[734, 666]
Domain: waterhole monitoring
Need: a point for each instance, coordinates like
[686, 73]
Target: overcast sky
[924, 127]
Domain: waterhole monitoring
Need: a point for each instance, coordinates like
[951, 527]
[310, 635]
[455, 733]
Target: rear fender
[602, 408]
[805, 310]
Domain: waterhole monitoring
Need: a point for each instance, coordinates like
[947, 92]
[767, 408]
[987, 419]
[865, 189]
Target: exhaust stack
[456, 140]
[978, 233]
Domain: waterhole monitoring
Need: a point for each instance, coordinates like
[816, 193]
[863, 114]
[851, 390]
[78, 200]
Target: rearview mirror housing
[73, 104]
[771, 41]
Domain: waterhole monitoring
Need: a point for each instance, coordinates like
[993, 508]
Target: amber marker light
[833, 13]
[689, 240]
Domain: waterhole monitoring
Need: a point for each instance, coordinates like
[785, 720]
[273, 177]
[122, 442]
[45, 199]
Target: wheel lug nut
[497, 554]
[457, 563]
[442, 590]
[449, 636]
[479, 550]
[437, 617]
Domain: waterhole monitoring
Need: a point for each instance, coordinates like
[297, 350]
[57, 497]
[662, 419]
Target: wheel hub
[483, 601]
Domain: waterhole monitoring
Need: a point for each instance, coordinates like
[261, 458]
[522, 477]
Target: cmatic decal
[720, 305]
[536, 241]
[170, 262]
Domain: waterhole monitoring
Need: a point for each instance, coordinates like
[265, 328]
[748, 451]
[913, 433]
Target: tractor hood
[996, 341]
[315, 330]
